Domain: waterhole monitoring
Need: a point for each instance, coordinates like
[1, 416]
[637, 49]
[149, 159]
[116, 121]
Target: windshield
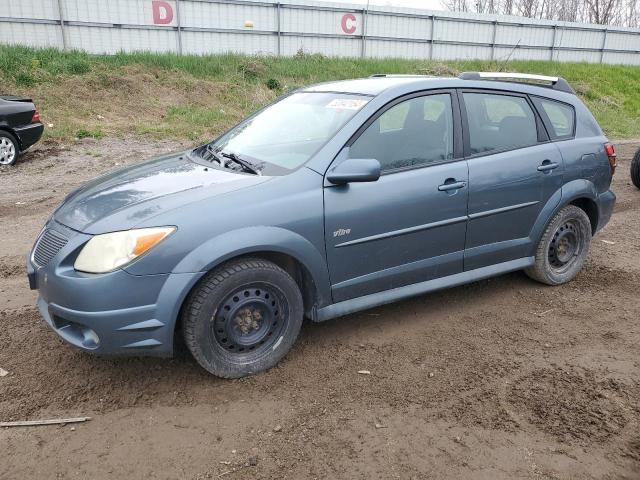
[286, 134]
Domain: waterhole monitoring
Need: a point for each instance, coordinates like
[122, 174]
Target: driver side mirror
[355, 170]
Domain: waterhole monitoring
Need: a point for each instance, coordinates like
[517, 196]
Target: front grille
[47, 247]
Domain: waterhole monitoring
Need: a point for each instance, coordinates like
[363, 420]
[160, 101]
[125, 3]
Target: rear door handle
[547, 166]
[451, 184]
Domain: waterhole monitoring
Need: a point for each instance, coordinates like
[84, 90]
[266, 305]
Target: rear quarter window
[561, 117]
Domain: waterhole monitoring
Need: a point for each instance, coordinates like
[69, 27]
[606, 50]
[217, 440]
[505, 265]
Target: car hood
[126, 198]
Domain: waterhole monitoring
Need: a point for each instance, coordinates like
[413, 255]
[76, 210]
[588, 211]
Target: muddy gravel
[500, 379]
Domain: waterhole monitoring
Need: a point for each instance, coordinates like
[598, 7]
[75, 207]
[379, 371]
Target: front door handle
[451, 184]
[547, 166]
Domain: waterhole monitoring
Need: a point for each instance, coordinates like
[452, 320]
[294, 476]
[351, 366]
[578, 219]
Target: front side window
[286, 134]
[499, 122]
[415, 132]
[561, 117]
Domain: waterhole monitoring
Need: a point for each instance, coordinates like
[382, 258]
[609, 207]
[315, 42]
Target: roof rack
[396, 75]
[556, 83]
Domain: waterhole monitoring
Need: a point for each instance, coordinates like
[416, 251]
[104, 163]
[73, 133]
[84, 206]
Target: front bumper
[606, 202]
[108, 314]
[29, 134]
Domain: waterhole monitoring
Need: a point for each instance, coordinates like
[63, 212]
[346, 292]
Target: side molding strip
[404, 231]
[382, 298]
[441, 223]
[488, 213]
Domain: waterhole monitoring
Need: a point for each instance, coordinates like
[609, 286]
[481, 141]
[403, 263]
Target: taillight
[36, 117]
[613, 159]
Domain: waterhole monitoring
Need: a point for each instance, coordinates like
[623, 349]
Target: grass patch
[85, 133]
[197, 97]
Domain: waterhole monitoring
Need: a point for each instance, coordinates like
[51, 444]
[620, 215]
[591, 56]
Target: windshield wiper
[214, 153]
[210, 154]
[218, 155]
[244, 163]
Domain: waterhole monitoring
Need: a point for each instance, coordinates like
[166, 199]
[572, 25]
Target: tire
[563, 248]
[242, 318]
[9, 148]
[635, 169]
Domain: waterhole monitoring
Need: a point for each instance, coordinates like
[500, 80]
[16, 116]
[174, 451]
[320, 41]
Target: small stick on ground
[52, 421]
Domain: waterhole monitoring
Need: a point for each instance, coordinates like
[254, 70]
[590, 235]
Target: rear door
[513, 172]
[408, 226]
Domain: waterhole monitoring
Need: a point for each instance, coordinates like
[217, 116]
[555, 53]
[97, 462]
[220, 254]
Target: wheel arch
[581, 193]
[6, 128]
[590, 207]
[289, 250]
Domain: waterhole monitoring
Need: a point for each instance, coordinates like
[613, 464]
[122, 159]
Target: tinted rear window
[561, 117]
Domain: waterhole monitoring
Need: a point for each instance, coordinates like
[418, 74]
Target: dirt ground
[501, 379]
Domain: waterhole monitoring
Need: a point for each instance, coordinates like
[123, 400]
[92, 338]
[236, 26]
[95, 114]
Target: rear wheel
[243, 318]
[9, 148]
[635, 169]
[563, 247]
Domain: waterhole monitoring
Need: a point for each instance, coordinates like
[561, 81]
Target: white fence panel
[622, 58]
[530, 36]
[114, 40]
[335, 47]
[321, 21]
[228, 16]
[456, 31]
[127, 12]
[511, 53]
[396, 49]
[202, 43]
[623, 41]
[269, 27]
[398, 26]
[40, 9]
[461, 52]
[579, 38]
[31, 35]
[577, 56]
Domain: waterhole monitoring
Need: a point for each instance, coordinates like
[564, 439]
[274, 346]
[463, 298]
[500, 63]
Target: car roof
[368, 86]
[403, 84]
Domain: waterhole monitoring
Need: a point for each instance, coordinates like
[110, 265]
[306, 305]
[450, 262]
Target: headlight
[107, 252]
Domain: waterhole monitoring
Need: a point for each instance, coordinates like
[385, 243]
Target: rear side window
[499, 122]
[416, 132]
[561, 117]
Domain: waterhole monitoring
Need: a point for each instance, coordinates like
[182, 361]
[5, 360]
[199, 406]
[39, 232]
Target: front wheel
[242, 318]
[635, 169]
[563, 247]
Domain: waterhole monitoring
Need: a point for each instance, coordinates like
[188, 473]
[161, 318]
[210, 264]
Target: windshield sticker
[347, 103]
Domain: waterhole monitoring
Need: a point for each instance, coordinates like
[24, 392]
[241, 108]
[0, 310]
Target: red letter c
[348, 23]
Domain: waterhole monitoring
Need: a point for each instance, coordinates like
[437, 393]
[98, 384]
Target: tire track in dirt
[575, 404]
[12, 266]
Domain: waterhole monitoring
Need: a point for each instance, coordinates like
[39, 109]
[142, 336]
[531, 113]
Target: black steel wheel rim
[565, 246]
[250, 319]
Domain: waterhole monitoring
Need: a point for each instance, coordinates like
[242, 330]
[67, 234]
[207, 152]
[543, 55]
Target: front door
[513, 172]
[408, 226]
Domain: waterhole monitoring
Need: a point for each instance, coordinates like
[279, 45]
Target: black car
[20, 127]
[635, 169]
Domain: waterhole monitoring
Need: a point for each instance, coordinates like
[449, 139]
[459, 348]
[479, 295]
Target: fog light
[91, 339]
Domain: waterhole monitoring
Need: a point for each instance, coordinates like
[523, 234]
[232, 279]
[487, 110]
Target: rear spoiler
[15, 98]
[556, 83]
